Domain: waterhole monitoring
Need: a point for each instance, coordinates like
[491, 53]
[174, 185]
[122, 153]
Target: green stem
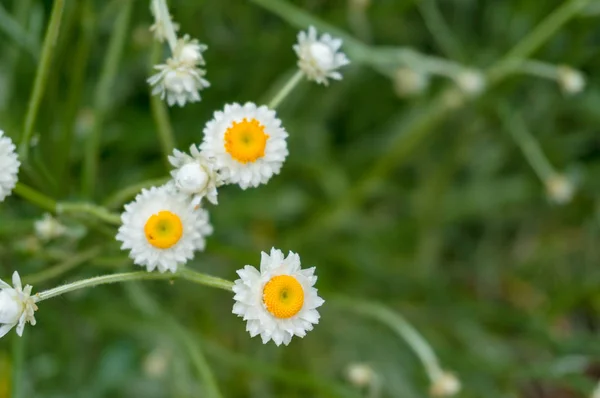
[18, 351]
[99, 212]
[160, 112]
[401, 326]
[35, 197]
[103, 97]
[47, 203]
[286, 89]
[41, 77]
[62, 267]
[536, 38]
[183, 273]
[530, 147]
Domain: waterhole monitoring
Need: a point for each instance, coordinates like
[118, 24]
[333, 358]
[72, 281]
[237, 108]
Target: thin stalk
[184, 273]
[103, 97]
[401, 326]
[98, 212]
[160, 113]
[35, 197]
[18, 355]
[63, 267]
[530, 147]
[286, 89]
[439, 29]
[41, 76]
[536, 38]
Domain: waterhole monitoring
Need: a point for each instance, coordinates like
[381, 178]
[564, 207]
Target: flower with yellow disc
[162, 229]
[279, 301]
[247, 142]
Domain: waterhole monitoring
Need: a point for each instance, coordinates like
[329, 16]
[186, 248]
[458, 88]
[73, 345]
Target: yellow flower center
[163, 229]
[246, 141]
[283, 295]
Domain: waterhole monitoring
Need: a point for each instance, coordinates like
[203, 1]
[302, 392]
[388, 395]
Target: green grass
[424, 204]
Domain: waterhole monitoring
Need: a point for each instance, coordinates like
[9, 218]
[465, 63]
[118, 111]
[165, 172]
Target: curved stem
[286, 89]
[35, 197]
[184, 273]
[61, 268]
[401, 326]
[41, 77]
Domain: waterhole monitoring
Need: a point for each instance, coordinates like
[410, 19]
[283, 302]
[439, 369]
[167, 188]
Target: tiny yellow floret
[246, 141]
[163, 229]
[283, 296]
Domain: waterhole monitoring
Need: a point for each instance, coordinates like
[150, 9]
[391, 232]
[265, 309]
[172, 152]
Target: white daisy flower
[48, 228]
[278, 302]
[247, 142]
[17, 306]
[178, 82]
[195, 175]
[162, 229]
[9, 166]
[319, 58]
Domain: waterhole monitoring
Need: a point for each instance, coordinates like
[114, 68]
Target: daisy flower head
[279, 301]
[17, 306]
[162, 229]
[195, 175]
[9, 166]
[320, 58]
[179, 81]
[247, 142]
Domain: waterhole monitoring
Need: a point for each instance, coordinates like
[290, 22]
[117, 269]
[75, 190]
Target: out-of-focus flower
[156, 363]
[320, 58]
[360, 374]
[571, 81]
[17, 306]
[247, 142]
[161, 21]
[470, 81]
[195, 175]
[279, 301]
[178, 82]
[446, 385]
[408, 82]
[48, 228]
[162, 229]
[560, 189]
[9, 166]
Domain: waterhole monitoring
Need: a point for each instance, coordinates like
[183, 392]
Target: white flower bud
[471, 81]
[446, 385]
[191, 178]
[408, 82]
[49, 228]
[195, 174]
[570, 80]
[17, 306]
[360, 374]
[319, 58]
[560, 189]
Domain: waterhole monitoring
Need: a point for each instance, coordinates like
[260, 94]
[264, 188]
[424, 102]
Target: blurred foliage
[453, 230]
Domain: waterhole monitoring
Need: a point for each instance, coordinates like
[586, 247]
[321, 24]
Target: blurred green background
[422, 203]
